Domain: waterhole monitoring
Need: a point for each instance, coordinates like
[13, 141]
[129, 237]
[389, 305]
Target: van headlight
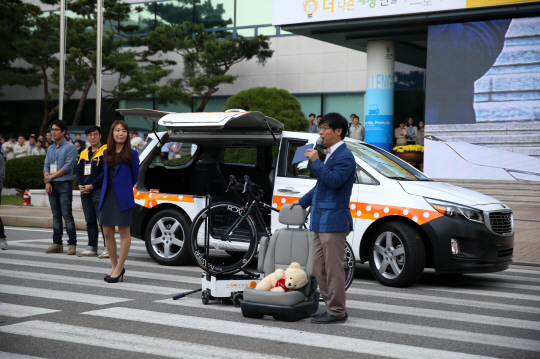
[456, 210]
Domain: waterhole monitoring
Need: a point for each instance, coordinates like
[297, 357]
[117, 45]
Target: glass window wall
[253, 12]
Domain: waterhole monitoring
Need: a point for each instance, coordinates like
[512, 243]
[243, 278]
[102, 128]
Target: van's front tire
[166, 238]
[397, 255]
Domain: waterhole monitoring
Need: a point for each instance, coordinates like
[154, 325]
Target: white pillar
[62, 59]
[98, 59]
[379, 104]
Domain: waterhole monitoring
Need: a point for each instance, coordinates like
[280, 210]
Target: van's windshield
[387, 165]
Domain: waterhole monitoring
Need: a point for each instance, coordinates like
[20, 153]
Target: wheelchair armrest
[263, 246]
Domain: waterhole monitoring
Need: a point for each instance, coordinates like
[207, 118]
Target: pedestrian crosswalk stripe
[21, 311]
[6, 355]
[142, 288]
[60, 295]
[60, 257]
[90, 269]
[124, 341]
[394, 327]
[45, 246]
[444, 314]
[483, 293]
[310, 339]
[139, 245]
[445, 334]
[478, 283]
[445, 300]
[195, 302]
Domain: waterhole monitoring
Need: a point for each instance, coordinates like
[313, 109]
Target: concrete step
[513, 193]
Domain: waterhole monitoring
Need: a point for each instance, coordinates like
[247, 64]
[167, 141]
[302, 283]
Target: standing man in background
[331, 218]
[356, 130]
[39, 149]
[9, 147]
[58, 177]
[89, 174]
[313, 128]
[22, 149]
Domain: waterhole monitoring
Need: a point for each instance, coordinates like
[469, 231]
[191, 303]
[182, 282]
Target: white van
[403, 221]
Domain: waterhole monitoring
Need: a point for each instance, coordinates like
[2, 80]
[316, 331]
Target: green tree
[15, 21]
[273, 102]
[207, 57]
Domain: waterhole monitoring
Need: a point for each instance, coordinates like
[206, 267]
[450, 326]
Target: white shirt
[333, 149]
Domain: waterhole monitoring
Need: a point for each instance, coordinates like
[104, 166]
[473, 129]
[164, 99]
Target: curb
[529, 264]
[18, 221]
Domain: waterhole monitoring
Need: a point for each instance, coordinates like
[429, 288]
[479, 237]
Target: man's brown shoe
[55, 248]
[72, 250]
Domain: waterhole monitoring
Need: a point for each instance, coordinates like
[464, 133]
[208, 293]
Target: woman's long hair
[125, 153]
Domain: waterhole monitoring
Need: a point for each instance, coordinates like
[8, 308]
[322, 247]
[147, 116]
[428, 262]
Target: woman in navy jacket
[121, 172]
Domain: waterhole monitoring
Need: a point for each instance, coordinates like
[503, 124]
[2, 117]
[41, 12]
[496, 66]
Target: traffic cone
[26, 198]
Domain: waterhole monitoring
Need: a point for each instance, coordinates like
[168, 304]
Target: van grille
[501, 222]
[505, 252]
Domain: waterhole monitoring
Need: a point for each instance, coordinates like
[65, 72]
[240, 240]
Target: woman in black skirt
[121, 174]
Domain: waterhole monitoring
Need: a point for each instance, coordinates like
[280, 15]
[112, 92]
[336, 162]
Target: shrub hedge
[27, 173]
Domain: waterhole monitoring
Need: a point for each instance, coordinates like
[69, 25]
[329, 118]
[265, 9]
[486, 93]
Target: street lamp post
[62, 59]
[98, 59]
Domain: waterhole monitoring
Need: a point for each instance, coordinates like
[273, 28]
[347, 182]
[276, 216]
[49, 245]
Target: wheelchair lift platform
[229, 287]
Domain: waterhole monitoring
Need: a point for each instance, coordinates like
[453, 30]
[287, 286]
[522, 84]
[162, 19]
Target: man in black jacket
[90, 174]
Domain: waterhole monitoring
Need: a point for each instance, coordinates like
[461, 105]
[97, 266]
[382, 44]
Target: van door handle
[288, 190]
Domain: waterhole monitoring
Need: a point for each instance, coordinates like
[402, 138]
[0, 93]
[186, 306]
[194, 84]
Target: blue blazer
[125, 177]
[331, 195]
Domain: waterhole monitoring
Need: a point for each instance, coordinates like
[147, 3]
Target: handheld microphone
[318, 144]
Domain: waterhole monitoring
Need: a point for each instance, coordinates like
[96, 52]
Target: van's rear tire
[397, 255]
[166, 238]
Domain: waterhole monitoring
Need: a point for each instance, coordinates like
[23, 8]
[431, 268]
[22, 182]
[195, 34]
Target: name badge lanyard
[54, 164]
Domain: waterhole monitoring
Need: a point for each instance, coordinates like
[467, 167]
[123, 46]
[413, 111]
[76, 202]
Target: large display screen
[483, 100]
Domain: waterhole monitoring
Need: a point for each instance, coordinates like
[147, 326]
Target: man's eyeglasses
[55, 129]
[324, 128]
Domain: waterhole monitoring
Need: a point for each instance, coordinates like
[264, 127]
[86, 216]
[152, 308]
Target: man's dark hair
[358, 118]
[311, 114]
[353, 115]
[39, 141]
[34, 137]
[78, 142]
[320, 116]
[61, 124]
[23, 136]
[91, 129]
[12, 136]
[334, 121]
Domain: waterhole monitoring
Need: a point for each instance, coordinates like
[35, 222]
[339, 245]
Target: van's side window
[362, 177]
[292, 170]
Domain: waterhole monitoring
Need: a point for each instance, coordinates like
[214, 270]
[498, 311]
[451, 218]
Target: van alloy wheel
[389, 255]
[397, 255]
[165, 237]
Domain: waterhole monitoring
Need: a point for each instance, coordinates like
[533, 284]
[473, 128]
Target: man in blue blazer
[331, 218]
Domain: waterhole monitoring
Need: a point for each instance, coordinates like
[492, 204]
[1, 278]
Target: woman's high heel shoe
[115, 279]
[107, 276]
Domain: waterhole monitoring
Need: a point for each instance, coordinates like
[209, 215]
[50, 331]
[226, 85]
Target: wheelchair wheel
[212, 252]
[349, 265]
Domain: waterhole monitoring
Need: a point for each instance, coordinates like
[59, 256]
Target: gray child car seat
[287, 245]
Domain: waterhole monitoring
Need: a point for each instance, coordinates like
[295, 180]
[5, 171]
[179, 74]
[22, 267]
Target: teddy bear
[284, 280]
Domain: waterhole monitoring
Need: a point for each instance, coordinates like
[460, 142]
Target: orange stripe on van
[374, 211]
[151, 198]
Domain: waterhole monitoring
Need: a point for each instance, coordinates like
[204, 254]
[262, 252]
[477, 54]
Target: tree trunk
[82, 101]
[55, 110]
[204, 102]
[45, 122]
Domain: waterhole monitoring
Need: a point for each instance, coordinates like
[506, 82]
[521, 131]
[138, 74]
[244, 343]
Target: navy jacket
[95, 178]
[125, 177]
[331, 195]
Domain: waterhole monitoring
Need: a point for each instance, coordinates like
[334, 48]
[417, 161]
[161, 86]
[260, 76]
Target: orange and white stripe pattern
[373, 211]
[151, 199]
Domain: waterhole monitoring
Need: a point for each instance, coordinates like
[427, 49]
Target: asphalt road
[58, 306]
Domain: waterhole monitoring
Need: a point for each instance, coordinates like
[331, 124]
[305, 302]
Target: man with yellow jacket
[90, 174]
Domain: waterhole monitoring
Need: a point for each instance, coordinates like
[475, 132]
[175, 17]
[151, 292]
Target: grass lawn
[16, 200]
